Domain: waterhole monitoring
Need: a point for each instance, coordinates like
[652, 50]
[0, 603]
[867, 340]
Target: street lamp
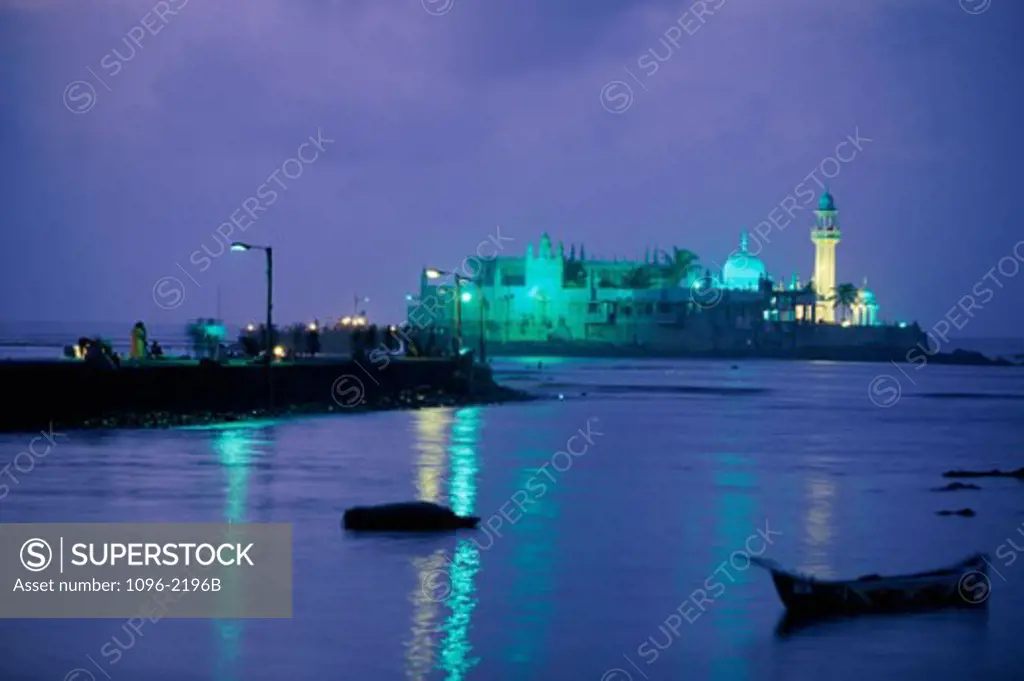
[356, 300]
[483, 329]
[238, 246]
[433, 273]
[268, 333]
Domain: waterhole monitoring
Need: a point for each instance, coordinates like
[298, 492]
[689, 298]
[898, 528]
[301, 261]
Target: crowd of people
[207, 338]
[417, 342]
[99, 352]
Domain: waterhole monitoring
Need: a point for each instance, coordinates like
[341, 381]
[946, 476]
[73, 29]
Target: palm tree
[844, 297]
[638, 277]
[678, 265]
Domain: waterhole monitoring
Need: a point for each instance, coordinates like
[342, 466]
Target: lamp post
[268, 336]
[268, 332]
[483, 329]
[356, 299]
[438, 274]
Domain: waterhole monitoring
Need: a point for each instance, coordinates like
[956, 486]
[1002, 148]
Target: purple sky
[445, 126]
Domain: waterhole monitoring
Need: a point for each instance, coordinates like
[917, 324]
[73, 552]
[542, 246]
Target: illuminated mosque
[550, 293]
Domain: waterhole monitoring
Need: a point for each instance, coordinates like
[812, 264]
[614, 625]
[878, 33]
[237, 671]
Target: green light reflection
[431, 442]
[235, 451]
[736, 521]
[465, 432]
[533, 581]
[456, 649]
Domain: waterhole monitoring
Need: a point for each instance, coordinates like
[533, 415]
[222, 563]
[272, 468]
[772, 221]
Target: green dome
[866, 296]
[826, 202]
[743, 270]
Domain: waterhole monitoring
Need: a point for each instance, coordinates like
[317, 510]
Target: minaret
[825, 235]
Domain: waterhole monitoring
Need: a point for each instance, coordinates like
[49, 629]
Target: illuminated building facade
[556, 294]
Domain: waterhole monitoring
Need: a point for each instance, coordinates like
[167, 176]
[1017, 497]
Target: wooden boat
[963, 585]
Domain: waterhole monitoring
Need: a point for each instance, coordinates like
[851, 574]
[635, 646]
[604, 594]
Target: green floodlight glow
[466, 297]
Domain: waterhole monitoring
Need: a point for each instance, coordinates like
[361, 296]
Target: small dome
[743, 270]
[826, 202]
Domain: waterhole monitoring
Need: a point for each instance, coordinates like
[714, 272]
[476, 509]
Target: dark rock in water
[969, 358]
[965, 512]
[1019, 473]
[954, 486]
[411, 516]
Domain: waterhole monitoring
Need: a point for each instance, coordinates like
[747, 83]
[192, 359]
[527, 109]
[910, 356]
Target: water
[674, 483]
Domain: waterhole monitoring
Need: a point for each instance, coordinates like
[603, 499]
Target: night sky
[440, 120]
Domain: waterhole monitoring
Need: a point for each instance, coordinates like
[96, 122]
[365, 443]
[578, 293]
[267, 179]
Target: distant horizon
[7, 324]
[277, 322]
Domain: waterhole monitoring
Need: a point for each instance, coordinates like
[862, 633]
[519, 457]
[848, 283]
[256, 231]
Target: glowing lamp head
[433, 274]
[346, 321]
[238, 247]
[312, 326]
[279, 351]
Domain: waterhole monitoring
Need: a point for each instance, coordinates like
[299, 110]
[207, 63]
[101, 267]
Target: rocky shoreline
[72, 395]
[407, 401]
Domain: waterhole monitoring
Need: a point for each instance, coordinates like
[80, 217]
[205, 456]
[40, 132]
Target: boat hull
[965, 585]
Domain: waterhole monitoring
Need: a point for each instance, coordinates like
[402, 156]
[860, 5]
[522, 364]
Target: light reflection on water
[455, 649]
[821, 491]
[235, 450]
[737, 519]
[600, 559]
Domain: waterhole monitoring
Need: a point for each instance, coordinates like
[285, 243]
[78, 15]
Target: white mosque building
[550, 292]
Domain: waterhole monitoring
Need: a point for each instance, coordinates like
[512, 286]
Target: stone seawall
[73, 394]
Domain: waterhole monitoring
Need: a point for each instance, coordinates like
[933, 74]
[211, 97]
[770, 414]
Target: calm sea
[684, 465]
